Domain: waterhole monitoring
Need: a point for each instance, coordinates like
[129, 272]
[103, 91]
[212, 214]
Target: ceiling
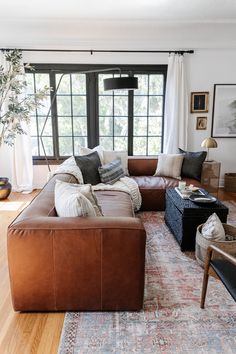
[132, 24]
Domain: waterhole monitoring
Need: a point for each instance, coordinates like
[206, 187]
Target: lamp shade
[121, 83]
[209, 143]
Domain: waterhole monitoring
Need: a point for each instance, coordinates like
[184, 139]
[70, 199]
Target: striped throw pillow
[111, 172]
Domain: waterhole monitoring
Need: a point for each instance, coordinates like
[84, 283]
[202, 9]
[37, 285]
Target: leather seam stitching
[101, 241]
[53, 271]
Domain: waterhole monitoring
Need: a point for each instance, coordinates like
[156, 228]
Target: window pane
[139, 146]
[80, 126]
[79, 84]
[155, 105]
[65, 146]
[44, 108]
[33, 126]
[63, 105]
[120, 106]
[154, 146]
[41, 80]
[30, 83]
[121, 126]
[120, 143]
[105, 126]
[79, 141]
[79, 105]
[34, 143]
[154, 125]
[105, 105]
[48, 127]
[48, 144]
[156, 84]
[107, 143]
[64, 126]
[64, 87]
[140, 126]
[142, 85]
[101, 78]
[140, 105]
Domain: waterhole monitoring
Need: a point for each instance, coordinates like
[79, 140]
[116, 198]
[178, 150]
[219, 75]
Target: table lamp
[209, 143]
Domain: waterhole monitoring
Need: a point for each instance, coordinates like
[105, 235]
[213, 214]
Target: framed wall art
[224, 111]
[201, 123]
[199, 102]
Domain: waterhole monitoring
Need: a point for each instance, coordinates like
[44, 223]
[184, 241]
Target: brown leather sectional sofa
[95, 263]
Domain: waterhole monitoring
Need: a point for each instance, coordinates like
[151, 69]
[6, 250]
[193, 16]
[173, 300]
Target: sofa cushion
[86, 151]
[109, 156]
[192, 164]
[115, 203]
[111, 172]
[70, 166]
[169, 165]
[142, 166]
[89, 167]
[69, 202]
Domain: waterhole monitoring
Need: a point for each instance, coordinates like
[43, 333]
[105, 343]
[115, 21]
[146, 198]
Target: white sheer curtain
[176, 106]
[16, 162]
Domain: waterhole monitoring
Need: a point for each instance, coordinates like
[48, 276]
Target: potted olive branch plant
[15, 105]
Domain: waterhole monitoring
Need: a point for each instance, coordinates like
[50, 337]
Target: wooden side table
[210, 176]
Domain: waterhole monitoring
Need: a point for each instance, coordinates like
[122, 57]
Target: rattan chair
[225, 269]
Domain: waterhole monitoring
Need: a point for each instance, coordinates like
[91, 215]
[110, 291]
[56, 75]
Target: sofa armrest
[77, 263]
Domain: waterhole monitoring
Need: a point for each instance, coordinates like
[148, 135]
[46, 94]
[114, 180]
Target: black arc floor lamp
[114, 83]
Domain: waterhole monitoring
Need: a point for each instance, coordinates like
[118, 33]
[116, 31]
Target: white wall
[204, 69]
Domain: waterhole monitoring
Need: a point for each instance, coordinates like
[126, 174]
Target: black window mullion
[148, 98]
[92, 109]
[130, 121]
[36, 117]
[72, 115]
[52, 78]
[113, 118]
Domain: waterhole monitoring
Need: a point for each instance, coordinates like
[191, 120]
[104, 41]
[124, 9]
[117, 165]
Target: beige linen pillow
[213, 228]
[70, 166]
[70, 202]
[169, 165]
[87, 191]
[109, 156]
[86, 151]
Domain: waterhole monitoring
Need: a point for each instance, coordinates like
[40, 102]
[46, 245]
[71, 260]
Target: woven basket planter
[230, 182]
[202, 244]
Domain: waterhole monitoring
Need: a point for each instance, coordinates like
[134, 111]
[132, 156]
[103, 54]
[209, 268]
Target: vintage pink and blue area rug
[172, 321]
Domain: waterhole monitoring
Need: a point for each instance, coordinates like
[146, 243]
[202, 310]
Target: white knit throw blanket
[125, 184]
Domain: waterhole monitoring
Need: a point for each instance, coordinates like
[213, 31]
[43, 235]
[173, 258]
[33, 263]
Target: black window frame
[92, 100]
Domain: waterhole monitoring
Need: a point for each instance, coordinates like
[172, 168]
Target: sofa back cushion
[142, 166]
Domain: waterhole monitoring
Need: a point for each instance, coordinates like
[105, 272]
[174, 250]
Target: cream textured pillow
[109, 156]
[70, 166]
[86, 151]
[70, 202]
[213, 228]
[169, 165]
[87, 191]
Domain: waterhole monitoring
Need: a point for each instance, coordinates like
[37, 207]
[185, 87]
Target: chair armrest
[225, 255]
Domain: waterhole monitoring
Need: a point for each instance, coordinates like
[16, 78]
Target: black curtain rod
[91, 51]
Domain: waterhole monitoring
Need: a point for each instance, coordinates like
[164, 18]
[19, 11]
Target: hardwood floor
[29, 333]
[22, 333]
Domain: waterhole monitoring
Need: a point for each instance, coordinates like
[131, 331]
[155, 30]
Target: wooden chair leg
[206, 276]
[204, 288]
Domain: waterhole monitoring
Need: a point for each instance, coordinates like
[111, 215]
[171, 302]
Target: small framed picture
[199, 102]
[201, 123]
